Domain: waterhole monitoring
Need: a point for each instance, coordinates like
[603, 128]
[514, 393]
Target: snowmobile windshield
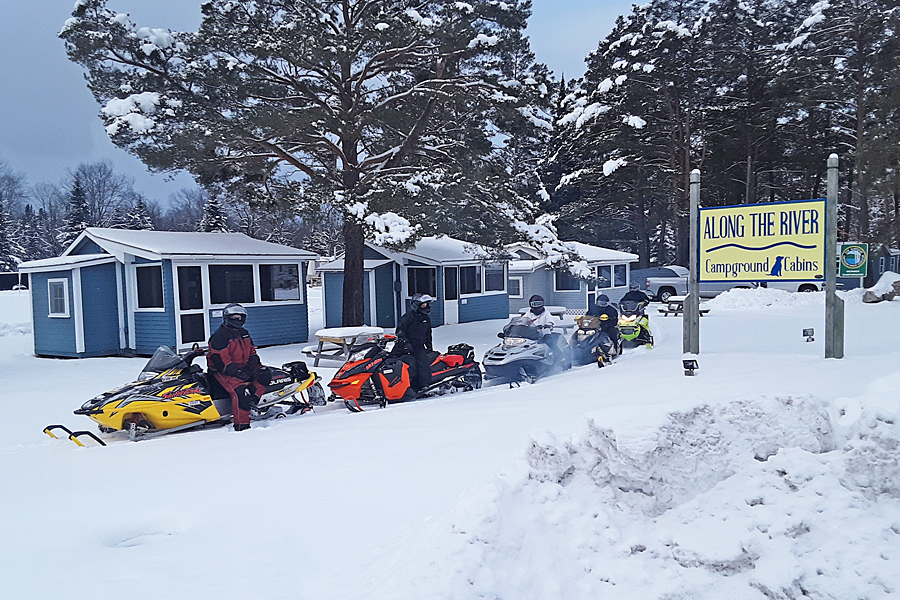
[520, 327]
[629, 306]
[162, 360]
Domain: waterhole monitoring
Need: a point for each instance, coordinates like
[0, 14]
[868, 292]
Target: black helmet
[602, 300]
[422, 303]
[234, 315]
[537, 304]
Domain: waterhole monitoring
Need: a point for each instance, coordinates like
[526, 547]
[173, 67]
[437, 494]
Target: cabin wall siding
[153, 329]
[53, 336]
[483, 308]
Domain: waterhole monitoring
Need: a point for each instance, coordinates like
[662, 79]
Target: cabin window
[515, 287]
[565, 281]
[620, 276]
[470, 280]
[231, 283]
[880, 265]
[190, 288]
[279, 282]
[193, 328]
[604, 276]
[494, 278]
[421, 281]
[58, 294]
[451, 283]
[149, 287]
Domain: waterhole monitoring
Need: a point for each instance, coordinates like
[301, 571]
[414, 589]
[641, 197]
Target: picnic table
[334, 342]
[675, 306]
[556, 311]
[559, 312]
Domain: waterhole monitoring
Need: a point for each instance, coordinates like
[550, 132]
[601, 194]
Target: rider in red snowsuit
[233, 360]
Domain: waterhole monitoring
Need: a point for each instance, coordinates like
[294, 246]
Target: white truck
[675, 284]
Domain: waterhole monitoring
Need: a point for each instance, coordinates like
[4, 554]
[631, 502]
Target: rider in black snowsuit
[635, 294]
[609, 325]
[415, 328]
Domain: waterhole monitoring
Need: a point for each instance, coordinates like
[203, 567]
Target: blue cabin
[531, 273]
[469, 285]
[123, 292]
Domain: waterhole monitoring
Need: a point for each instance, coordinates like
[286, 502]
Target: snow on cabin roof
[591, 254]
[184, 243]
[599, 254]
[444, 249]
[63, 262]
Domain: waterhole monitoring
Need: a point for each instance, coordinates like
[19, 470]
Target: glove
[247, 400]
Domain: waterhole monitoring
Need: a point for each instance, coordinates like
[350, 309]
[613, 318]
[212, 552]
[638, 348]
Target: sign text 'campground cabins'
[116, 291]
[782, 241]
[468, 285]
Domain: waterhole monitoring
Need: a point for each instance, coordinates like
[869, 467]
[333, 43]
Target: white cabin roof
[155, 245]
[64, 262]
[594, 255]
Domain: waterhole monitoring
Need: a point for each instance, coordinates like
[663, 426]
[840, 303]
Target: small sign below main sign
[853, 259]
[780, 241]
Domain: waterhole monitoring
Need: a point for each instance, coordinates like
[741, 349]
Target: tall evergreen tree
[386, 110]
[214, 218]
[77, 214]
[10, 250]
[138, 217]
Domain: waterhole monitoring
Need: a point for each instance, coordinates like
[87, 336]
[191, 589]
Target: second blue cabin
[469, 286]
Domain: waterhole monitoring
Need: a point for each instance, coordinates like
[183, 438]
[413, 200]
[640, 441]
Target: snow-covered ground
[771, 474]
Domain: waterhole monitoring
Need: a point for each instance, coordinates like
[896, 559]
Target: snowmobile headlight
[513, 341]
[628, 318]
[146, 375]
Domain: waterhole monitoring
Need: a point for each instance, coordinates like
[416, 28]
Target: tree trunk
[354, 274]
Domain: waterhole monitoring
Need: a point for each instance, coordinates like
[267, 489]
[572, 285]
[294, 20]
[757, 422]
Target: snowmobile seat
[452, 360]
[209, 381]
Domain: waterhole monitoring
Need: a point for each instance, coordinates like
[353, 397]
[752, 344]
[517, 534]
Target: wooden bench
[335, 343]
[675, 306]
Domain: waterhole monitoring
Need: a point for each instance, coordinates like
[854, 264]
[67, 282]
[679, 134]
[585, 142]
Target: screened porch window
[422, 281]
[620, 276]
[470, 280]
[279, 282]
[231, 283]
[149, 287]
[566, 281]
[494, 276]
[58, 294]
[604, 276]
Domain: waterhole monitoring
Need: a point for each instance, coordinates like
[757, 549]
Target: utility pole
[834, 306]
[691, 324]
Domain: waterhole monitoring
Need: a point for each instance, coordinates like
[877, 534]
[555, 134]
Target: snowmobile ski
[72, 435]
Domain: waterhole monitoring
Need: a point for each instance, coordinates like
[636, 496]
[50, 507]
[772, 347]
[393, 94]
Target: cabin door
[451, 295]
[191, 315]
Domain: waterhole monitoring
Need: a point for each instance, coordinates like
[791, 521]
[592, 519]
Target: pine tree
[214, 218]
[10, 250]
[138, 217]
[76, 219]
[387, 110]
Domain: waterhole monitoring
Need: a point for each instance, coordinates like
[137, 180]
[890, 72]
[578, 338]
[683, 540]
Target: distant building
[530, 273]
[882, 258]
[122, 292]
[468, 286]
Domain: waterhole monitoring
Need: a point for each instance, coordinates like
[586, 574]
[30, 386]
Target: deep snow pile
[760, 497]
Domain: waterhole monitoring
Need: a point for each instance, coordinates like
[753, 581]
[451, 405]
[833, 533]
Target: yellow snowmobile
[172, 394]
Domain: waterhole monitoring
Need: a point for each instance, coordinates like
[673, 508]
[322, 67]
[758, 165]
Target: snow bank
[16, 313]
[760, 497]
[764, 298]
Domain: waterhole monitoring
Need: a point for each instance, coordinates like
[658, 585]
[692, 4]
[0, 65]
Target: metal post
[834, 306]
[691, 325]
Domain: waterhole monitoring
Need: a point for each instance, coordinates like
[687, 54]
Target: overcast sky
[48, 118]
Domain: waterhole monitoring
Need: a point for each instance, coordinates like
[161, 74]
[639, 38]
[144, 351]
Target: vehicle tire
[665, 293]
[806, 287]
